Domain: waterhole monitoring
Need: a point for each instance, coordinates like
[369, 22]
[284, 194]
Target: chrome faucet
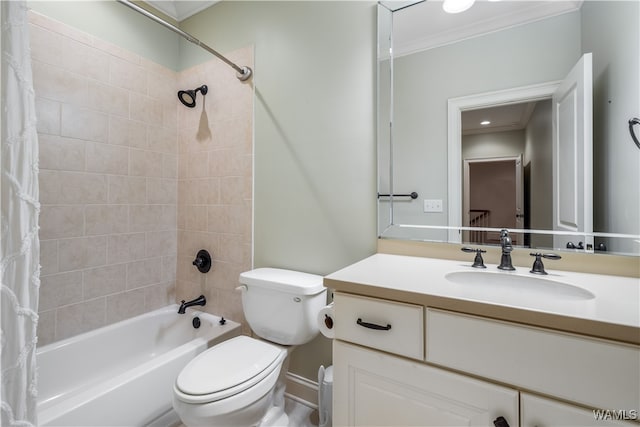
[507, 247]
[201, 300]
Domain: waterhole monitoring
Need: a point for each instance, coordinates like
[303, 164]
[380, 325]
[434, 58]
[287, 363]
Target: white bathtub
[123, 374]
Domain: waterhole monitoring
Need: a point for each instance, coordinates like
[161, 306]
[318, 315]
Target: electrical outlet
[432, 205]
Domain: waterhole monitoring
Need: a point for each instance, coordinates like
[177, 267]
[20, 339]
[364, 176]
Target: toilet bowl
[232, 383]
[241, 381]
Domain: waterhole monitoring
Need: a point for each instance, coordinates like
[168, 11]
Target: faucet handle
[478, 262]
[538, 266]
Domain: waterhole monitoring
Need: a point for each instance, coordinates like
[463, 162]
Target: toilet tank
[282, 305]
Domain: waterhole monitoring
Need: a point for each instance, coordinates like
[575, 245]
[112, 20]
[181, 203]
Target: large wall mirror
[512, 114]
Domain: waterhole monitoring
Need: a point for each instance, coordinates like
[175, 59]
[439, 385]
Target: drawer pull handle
[373, 325]
[500, 422]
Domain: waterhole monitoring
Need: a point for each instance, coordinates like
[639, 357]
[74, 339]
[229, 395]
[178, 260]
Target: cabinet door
[540, 412]
[376, 389]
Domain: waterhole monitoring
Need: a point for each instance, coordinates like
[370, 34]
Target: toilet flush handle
[242, 288]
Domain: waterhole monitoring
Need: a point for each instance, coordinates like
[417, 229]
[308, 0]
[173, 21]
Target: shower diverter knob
[203, 261]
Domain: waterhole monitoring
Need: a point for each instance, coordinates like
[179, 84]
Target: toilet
[241, 381]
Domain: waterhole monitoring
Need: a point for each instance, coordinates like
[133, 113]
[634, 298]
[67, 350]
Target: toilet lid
[226, 365]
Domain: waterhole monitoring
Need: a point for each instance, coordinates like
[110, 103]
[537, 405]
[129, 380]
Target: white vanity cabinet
[372, 388]
[474, 370]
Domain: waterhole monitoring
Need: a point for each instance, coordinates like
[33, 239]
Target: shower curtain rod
[243, 73]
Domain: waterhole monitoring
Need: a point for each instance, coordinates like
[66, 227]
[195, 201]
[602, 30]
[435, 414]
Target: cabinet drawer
[390, 326]
[594, 372]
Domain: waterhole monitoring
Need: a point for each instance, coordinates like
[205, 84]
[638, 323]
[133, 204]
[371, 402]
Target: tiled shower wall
[215, 152]
[108, 133]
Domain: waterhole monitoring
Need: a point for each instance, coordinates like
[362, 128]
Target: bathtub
[123, 374]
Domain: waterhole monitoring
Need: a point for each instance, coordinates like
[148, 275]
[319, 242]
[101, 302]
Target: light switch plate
[432, 205]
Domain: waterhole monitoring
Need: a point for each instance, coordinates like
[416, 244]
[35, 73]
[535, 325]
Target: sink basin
[484, 282]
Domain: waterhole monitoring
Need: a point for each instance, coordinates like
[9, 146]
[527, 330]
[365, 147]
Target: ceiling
[181, 9]
[425, 25]
[503, 118]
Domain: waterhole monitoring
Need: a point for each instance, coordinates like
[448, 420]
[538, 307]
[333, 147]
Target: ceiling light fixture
[456, 6]
[485, 122]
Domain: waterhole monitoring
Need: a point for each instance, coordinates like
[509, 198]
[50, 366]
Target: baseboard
[302, 390]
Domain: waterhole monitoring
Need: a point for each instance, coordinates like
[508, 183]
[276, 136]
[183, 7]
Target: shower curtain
[19, 245]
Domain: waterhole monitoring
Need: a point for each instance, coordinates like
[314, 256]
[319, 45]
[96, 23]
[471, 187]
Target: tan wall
[108, 180]
[133, 184]
[215, 174]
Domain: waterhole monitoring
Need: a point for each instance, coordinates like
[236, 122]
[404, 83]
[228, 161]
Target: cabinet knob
[500, 422]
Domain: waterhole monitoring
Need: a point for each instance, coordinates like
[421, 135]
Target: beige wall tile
[46, 45]
[145, 163]
[232, 190]
[101, 281]
[169, 166]
[81, 123]
[58, 153]
[46, 327]
[106, 158]
[144, 272]
[126, 247]
[48, 114]
[145, 109]
[57, 84]
[60, 289]
[162, 243]
[61, 221]
[106, 219]
[150, 218]
[97, 65]
[82, 252]
[127, 190]
[227, 162]
[108, 99]
[127, 75]
[162, 191]
[189, 290]
[48, 257]
[160, 295]
[169, 266]
[82, 317]
[196, 218]
[58, 187]
[162, 139]
[107, 126]
[227, 219]
[75, 55]
[127, 132]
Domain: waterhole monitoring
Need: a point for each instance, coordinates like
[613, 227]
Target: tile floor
[300, 415]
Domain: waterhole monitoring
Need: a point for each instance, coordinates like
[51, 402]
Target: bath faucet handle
[538, 266]
[478, 262]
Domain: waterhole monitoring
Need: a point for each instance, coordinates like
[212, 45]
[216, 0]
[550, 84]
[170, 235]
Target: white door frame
[519, 181]
[455, 107]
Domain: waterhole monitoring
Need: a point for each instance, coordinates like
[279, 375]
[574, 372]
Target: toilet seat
[227, 369]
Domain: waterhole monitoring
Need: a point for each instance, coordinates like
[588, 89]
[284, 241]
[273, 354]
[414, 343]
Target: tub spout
[201, 300]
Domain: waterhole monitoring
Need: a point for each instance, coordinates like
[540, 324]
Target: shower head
[188, 97]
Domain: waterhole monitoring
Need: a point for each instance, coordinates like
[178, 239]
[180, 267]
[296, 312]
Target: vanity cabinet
[436, 367]
[377, 389]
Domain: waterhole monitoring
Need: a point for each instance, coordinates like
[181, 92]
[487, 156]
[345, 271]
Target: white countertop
[616, 300]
